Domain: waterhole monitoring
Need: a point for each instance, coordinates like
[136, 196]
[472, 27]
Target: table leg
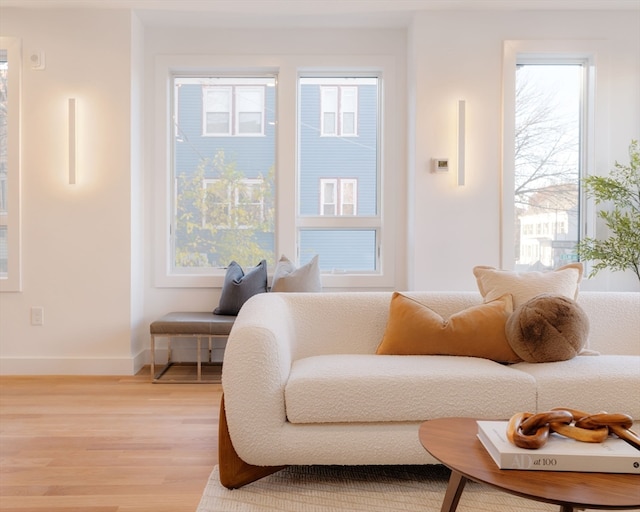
[454, 491]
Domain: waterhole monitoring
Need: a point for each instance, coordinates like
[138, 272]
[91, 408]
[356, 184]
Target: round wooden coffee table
[454, 443]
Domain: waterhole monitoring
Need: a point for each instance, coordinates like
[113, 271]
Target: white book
[560, 453]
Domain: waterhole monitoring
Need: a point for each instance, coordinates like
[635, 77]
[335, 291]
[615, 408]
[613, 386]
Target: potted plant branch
[620, 191]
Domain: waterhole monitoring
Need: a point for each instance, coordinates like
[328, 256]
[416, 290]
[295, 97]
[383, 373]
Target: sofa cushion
[547, 328]
[494, 283]
[288, 278]
[588, 383]
[239, 287]
[479, 331]
[376, 388]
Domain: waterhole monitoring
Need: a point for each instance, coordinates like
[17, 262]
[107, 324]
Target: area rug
[358, 488]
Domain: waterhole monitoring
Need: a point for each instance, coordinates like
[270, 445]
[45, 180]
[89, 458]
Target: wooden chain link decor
[531, 431]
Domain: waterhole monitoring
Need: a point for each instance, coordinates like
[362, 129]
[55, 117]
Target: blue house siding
[338, 157]
[254, 155]
[330, 157]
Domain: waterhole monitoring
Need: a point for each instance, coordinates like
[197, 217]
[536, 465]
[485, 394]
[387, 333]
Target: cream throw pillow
[479, 331]
[494, 283]
[288, 278]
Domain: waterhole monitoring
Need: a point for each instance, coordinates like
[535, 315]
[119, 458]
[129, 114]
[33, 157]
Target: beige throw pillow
[288, 278]
[494, 283]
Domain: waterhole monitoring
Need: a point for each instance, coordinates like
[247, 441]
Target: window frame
[286, 68]
[11, 219]
[595, 112]
[338, 222]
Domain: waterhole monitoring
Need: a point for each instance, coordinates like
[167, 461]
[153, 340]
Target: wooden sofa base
[234, 472]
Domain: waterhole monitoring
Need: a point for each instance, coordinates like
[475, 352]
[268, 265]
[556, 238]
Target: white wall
[88, 249]
[76, 238]
[458, 55]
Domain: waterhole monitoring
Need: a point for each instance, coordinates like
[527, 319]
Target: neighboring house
[548, 229]
[225, 130]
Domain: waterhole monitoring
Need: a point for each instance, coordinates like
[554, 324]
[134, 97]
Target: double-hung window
[344, 227]
[338, 196]
[339, 110]
[233, 109]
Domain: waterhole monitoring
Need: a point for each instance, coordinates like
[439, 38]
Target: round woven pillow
[547, 328]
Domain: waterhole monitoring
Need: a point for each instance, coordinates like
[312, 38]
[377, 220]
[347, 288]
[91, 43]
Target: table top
[454, 442]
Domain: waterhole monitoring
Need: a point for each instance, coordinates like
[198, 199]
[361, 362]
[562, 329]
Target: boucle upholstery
[288, 353]
[365, 388]
[588, 383]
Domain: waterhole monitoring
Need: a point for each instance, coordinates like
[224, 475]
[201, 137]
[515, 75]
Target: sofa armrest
[256, 367]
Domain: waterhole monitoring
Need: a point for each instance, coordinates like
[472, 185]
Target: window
[338, 196]
[10, 278]
[215, 153]
[233, 109]
[338, 110]
[339, 217]
[237, 205]
[549, 105]
[547, 161]
[223, 187]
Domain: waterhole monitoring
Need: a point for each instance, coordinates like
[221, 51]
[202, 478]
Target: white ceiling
[309, 13]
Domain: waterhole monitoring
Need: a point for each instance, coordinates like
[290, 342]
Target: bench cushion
[193, 323]
[379, 388]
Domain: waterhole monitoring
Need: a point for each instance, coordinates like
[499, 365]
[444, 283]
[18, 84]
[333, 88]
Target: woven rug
[358, 488]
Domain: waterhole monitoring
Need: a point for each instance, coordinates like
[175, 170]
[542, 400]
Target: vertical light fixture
[461, 141]
[73, 171]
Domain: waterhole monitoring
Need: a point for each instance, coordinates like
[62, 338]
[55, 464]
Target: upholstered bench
[195, 325]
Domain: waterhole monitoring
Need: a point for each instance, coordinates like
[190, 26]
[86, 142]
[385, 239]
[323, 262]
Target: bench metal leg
[199, 359]
[153, 357]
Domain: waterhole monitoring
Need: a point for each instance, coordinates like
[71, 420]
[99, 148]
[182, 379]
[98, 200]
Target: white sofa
[302, 383]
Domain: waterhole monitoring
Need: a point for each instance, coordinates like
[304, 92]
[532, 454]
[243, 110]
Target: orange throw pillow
[479, 331]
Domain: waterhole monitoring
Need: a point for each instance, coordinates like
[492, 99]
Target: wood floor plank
[105, 444]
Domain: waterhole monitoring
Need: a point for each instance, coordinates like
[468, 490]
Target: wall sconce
[72, 141]
[461, 141]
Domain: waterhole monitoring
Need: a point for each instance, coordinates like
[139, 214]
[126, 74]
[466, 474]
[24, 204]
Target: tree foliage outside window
[227, 219]
[223, 172]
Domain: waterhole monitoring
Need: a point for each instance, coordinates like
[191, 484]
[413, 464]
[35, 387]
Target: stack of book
[559, 453]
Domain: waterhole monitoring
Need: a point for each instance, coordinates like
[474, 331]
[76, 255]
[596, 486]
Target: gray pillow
[239, 287]
[288, 278]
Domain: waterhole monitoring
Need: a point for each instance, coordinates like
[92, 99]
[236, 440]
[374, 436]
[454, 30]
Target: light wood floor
[105, 444]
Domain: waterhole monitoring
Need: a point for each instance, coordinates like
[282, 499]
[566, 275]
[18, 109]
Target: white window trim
[593, 124]
[287, 68]
[12, 281]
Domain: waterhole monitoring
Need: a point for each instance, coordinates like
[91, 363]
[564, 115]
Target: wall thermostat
[440, 165]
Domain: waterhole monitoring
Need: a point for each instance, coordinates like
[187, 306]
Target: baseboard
[69, 366]
[102, 366]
